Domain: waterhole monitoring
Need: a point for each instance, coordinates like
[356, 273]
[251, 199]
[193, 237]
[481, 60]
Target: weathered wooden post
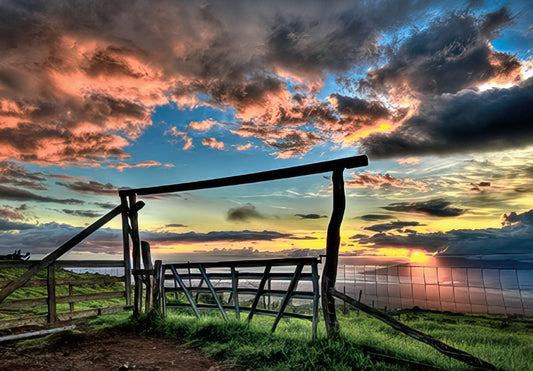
[158, 288]
[126, 248]
[329, 273]
[148, 277]
[136, 253]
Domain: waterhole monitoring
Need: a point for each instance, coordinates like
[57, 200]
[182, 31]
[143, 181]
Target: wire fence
[454, 289]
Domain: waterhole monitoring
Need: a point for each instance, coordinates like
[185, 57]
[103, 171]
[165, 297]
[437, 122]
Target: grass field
[365, 343]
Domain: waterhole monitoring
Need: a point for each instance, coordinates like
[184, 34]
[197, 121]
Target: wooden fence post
[158, 289]
[329, 273]
[126, 248]
[136, 254]
[51, 289]
[148, 279]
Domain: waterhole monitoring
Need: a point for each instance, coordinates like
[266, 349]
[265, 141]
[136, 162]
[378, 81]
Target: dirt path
[108, 349]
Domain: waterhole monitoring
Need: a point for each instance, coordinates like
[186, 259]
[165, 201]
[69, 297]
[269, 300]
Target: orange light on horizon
[418, 257]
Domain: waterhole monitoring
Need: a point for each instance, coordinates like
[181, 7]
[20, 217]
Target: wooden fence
[43, 305]
[244, 279]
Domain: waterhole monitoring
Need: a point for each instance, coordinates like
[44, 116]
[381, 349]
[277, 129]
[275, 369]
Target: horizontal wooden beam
[247, 263]
[264, 312]
[290, 172]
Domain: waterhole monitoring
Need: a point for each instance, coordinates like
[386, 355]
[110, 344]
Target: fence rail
[455, 289]
[42, 308]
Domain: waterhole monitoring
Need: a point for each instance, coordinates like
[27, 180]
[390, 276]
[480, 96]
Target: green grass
[365, 343]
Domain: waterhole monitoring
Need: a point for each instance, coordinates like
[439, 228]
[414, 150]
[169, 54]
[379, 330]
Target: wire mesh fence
[454, 289]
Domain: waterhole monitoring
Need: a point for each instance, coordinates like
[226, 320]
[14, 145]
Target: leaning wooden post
[136, 253]
[126, 248]
[329, 273]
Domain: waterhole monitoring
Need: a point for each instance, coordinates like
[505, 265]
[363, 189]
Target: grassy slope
[365, 343]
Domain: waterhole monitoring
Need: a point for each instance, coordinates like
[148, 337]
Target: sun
[418, 257]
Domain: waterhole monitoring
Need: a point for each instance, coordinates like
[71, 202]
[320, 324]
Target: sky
[99, 95]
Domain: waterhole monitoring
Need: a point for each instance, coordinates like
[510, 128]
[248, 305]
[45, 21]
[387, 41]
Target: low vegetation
[365, 343]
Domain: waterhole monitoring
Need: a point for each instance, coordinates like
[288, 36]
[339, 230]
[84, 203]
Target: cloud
[203, 125]
[390, 226]
[452, 54]
[91, 186]
[213, 236]
[16, 174]
[310, 216]
[386, 181]
[17, 194]
[175, 225]
[460, 123]
[121, 165]
[213, 143]
[375, 217]
[510, 239]
[406, 161]
[105, 205]
[436, 207]
[244, 213]
[12, 214]
[83, 213]
[6, 225]
[244, 147]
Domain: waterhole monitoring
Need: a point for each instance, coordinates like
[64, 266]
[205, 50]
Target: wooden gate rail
[194, 278]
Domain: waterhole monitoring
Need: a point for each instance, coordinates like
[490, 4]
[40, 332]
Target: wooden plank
[291, 172]
[249, 263]
[90, 263]
[288, 295]
[51, 290]
[416, 334]
[213, 292]
[333, 239]
[67, 316]
[264, 312]
[235, 291]
[259, 291]
[187, 293]
[26, 321]
[54, 255]
[88, 297]
[245, 276]
[103, 280]
[15, 304]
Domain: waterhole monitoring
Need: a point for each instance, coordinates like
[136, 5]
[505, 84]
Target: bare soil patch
[108, 349]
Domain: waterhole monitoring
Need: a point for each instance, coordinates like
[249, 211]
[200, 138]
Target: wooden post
[158, 282]
[147, 264]
[70, 304]
[288, 295]
[136, 254]
[329, 273]
[51, 288]
[316, 298]
[126, 248]
[235, 291]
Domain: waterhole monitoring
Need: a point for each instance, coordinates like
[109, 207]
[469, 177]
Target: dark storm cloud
[16, 194]
[511, 239]
[91, 186]
[390, 226]
[310, 216]
[110, 64]
[244, 213]
[497, 119]
[452, 54]
[83, 213]
[436, 207]
[376, 217]
[16, 174]
[214, 236]
[6, 225]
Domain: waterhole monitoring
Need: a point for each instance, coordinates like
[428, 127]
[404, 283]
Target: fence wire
[454, 289]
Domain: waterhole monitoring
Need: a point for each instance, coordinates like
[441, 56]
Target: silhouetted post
[136, 253]
[329, 273]
[126, 248]
[51, 290]
[148, 266]
[158, 282]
